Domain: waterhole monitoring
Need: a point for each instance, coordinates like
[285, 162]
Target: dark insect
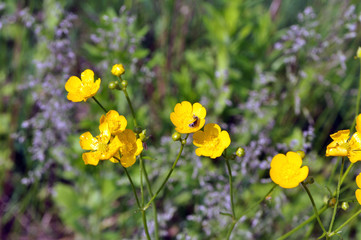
[195, 123]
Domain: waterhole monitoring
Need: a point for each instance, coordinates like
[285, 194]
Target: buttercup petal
[95, 87]
[199, 110]
[73, 84]
[88, 142]
[75, 96]
[87, 76]
[295, 158]
[341, 136]
[358, 195]
[127, 160]
[358, 123]
[358, 180]
[91, 158]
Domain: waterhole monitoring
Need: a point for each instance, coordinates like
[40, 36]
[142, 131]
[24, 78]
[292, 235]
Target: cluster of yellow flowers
[115, 142]
[188, 118]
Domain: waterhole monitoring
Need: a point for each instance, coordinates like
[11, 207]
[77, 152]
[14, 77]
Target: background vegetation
[278, 75]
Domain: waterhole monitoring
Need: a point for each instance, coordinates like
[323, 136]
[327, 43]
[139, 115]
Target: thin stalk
[346, 172]
[314, 206]
[100, 105]
[324, 208]
[231, 196]
[349, 220]
[167, 177]
[141, 181]
[231, 188]
[235, 220]
[156, 225]
[337, 197]
[130, 106]
[131, 183]
[144, 217]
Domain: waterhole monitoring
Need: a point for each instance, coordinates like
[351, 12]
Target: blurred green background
[277, 75]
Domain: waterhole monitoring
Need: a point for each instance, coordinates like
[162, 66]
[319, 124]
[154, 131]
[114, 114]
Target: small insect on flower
[187, 117]
[195, 123]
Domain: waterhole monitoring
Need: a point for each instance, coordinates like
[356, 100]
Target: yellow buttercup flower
[188, 118]
[81, 90]
[103, 147]
[286, 170]
[118, 70]
[358, 191]
[130, 148]
[212, 142]
[339, 146]
[117, 123]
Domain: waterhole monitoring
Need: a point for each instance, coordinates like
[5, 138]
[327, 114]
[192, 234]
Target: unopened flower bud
[184, 141]
[118, 70]
[113, 85]
[124, 84]
[240, 152]
[143, 135]
[345, 206]
[176, 136]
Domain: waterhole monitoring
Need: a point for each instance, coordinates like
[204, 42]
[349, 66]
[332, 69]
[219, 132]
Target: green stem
[141, 181]
[346, 172]
[130, 106]
[156, 225]
[231, 188]
[314, 206]
[349, 220]
[144, 217]
[261, 200]
[337, 196]
[324, 208]
[167, 177]
[235, 220]
[100, 105]
[131, 183]
[232, 202]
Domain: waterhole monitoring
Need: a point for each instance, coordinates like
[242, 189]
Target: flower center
[103, 147]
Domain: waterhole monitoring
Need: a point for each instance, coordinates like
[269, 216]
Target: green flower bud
[184, 141]
[114, 85]
[143, 135]
[124, 84]
[176, 136]
[111, 85]
[345, 206]
[240, 152]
